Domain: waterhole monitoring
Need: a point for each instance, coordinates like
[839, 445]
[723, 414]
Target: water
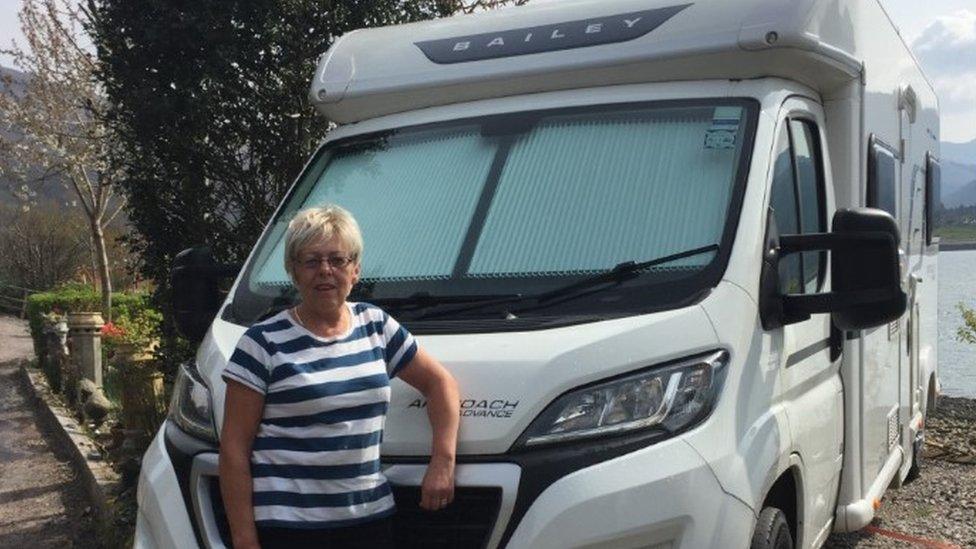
[957, 360]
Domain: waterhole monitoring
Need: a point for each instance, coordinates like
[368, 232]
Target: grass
[957, 233]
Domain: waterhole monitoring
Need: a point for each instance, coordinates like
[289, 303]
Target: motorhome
[679, 257]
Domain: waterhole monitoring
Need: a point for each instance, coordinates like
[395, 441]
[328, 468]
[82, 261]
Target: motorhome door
[801, 199]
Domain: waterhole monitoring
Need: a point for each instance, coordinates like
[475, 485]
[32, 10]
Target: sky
[942, 33]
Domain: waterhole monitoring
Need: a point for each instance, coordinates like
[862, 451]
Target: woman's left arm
[443, 408]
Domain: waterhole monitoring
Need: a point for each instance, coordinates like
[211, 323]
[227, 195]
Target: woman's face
[323, 284]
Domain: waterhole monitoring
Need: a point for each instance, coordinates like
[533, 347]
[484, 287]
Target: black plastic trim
[181, 449]
[544, 466]
[476, 225]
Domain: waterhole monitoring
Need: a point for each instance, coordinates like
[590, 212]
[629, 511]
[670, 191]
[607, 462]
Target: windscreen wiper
[620, 272]
[497, 300]
[424, 300]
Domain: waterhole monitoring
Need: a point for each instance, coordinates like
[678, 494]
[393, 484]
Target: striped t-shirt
[315, 462]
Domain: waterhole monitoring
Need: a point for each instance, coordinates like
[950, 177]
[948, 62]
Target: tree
[41, 247]
[209, 100]
[51, 127]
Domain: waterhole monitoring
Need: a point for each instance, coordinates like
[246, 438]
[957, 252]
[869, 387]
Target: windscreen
[521, 205]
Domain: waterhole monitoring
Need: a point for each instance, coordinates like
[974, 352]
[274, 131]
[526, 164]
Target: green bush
[77, 298]
[966, 332]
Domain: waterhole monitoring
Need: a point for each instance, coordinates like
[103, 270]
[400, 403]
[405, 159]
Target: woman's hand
[443, 408]
[437, 490]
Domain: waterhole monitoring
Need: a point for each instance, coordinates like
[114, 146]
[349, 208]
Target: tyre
[772, 531]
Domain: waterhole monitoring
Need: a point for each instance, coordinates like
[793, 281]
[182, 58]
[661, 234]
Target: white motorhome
[678, 256]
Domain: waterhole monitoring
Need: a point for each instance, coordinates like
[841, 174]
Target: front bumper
[660, 495]
[162, 520]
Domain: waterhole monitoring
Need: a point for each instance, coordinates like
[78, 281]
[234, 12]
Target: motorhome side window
[798, 203]
[881, 177]
[933, 181]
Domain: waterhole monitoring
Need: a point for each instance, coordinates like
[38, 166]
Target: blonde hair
[321, 224]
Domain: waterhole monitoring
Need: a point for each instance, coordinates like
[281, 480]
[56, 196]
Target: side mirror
[865, 274]
[196, 297]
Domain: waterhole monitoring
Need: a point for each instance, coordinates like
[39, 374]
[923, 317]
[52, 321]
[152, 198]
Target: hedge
[78, 298]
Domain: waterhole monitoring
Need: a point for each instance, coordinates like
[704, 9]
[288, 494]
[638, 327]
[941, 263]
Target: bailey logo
[560, 36]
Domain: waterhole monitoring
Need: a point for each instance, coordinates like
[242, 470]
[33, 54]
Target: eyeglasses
[335, 262]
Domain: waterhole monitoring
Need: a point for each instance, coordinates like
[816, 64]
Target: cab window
[784, 204]
[809, 178]
[798, 203]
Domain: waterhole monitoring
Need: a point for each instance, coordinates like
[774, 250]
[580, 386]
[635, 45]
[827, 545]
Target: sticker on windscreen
[724, 129]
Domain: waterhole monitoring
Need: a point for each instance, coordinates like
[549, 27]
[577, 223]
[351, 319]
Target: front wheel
[772, 531]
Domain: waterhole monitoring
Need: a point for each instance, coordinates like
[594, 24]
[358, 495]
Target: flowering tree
[51, 126]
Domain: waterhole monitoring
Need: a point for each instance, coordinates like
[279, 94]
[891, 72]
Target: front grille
[464, 524]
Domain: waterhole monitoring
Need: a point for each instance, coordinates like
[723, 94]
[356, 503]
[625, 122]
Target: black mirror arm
[831, 241]
[805, 305]
[195, 279]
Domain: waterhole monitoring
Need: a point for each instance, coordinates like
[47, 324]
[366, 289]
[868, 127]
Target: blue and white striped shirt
[315, 461]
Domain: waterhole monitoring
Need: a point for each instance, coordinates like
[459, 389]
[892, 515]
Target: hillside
[965, 196]
[17, 84]
[963, 153]
[957, 179]
[52, 191]
[958, 174]
[18, 79]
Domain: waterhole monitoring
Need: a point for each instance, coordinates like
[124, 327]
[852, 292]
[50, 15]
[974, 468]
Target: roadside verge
[101, 482]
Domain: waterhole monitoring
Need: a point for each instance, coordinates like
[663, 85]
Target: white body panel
[787, 411]
[162, 520]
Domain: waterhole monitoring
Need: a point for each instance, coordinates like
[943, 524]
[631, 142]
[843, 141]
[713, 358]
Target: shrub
[966, 332]
[76, 298]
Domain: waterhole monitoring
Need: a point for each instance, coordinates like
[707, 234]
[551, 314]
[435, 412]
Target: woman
[307, 393]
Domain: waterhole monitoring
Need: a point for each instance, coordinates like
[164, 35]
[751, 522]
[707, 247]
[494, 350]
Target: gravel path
[42, 504]
[15, 341]
[940, 506]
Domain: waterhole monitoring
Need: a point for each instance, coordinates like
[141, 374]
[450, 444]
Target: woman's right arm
[243, 408]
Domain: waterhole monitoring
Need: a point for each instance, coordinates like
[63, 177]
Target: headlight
[192, 408]
[669, 398]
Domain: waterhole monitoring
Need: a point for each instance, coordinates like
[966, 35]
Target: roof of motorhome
[585, 43]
